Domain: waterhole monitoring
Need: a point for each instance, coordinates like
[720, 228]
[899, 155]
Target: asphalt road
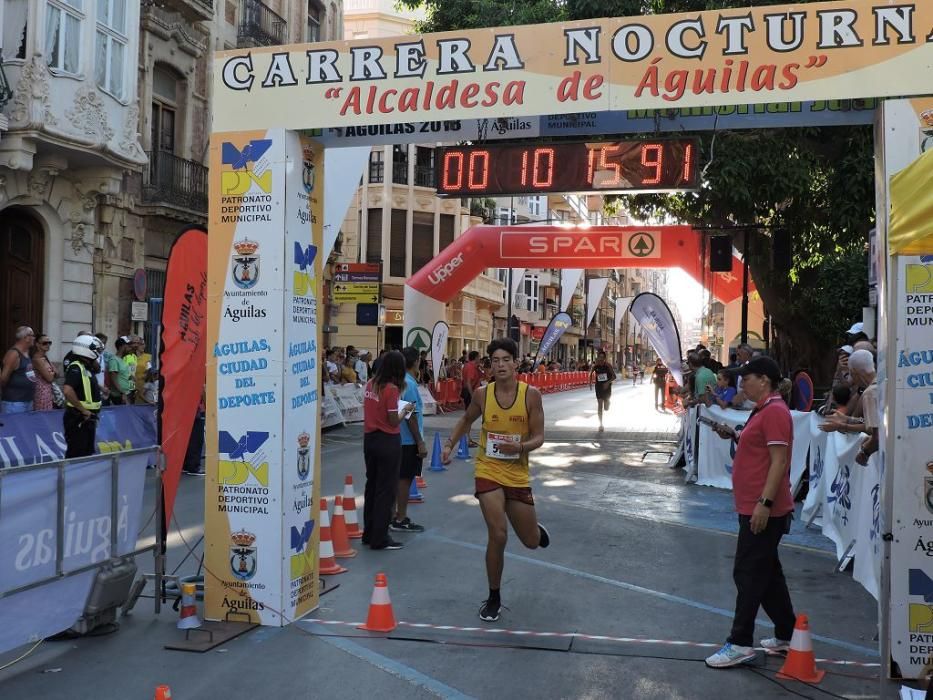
[636, 556]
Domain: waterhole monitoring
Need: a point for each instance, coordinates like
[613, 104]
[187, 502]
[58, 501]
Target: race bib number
[602, 377]
[30, 375]
[494, 440]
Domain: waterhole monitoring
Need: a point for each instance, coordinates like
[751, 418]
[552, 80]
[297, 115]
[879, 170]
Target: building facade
[69, 236]
[104, 137]
[397, 221]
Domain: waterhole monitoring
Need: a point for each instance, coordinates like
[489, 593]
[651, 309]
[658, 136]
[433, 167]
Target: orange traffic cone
[342, 546]
[329, 565]
[349, 510]
[801, 663]
[188, 612]
[380, 618]
[420, 482]
[163, 692]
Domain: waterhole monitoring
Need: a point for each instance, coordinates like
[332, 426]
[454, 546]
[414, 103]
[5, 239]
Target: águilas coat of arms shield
[304, 456]
[307, 170]
[245, 263]
[243, 555]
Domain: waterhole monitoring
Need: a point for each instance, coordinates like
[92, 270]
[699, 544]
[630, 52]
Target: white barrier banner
[689, 441]
[816, 496]
[715, 454]
[843, 485]
[868, 535]
[28, 523]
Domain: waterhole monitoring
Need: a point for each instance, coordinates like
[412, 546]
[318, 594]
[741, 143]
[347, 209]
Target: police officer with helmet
[82, 395]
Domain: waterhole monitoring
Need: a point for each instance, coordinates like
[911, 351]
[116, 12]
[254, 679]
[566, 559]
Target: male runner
[604, 375]
[513, 426]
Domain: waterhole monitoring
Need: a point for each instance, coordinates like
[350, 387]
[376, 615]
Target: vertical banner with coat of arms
[266, 215]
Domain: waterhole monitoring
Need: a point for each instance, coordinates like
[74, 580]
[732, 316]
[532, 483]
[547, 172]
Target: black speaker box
[720, 254]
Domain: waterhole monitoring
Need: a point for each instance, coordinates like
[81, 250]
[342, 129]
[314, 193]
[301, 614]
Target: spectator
[841, 375]
[856, 333]
[472, 377]
[121, 382]
[43, 399]
[331, 370]
[130, 357]
[841, 396]
[659, 377]
[413, 448]
[382, 449]
[362, 366]
[17, 376]
[143, 365]
[82, 394]
[704, 381]
[761, 488]
[347, 371]
[378, 361]
[743, 355]
[862, 369]
[103, 379]
[724, 392]
[150, 393]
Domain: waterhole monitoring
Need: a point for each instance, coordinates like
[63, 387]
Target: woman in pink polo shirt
[761, 487]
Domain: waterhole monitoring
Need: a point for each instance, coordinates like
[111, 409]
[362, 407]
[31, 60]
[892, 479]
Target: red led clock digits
[450, 169]
[542, 167]
[478, 174]
[688, 162]
[656, 161]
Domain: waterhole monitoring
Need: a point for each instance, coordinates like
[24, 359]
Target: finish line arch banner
[818, 51]
[597, 247]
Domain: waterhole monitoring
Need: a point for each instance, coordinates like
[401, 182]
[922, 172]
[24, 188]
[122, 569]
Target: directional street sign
[355, 293]
[371, 277]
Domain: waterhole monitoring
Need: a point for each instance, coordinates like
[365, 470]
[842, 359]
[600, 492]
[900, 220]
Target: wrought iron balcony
[400, 173]
[175, 181]
[259, 25]
[376, 171]
[424, 175]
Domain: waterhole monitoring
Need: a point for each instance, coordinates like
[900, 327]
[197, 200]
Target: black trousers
[659, 394]
[760, 581]
[382, 453]
[79, 434]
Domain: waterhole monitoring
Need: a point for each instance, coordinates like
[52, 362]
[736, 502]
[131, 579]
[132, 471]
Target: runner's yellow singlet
[503, 425]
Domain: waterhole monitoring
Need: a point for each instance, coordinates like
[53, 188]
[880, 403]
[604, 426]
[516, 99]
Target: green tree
[815, 183]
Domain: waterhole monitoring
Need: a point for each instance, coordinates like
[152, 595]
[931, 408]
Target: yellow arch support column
[263, 427]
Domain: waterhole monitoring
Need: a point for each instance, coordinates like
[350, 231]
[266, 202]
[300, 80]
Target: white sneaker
[730, 655]
[773, 645]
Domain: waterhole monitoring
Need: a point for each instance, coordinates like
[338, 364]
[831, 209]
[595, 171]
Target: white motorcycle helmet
[87, 346]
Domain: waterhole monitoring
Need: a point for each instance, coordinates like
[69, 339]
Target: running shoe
[489, 611]
[545, 538]
[391, 545]
[730, 655]
[773, 645]
[405, 525]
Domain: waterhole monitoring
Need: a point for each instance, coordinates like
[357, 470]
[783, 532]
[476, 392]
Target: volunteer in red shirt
[382, 448]
[761, 487]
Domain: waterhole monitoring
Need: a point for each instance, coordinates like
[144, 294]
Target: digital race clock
[615, 166]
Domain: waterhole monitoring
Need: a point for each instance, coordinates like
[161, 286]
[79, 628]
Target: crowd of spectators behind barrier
[31, 380]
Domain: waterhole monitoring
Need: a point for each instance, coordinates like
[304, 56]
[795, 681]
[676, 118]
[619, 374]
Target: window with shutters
[397, 247]
[374, 236]
[422, 239]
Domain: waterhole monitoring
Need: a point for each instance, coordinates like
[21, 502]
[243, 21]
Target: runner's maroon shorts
[512, 493]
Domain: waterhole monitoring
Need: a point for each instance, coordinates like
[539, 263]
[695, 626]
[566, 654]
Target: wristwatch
[766, 502]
